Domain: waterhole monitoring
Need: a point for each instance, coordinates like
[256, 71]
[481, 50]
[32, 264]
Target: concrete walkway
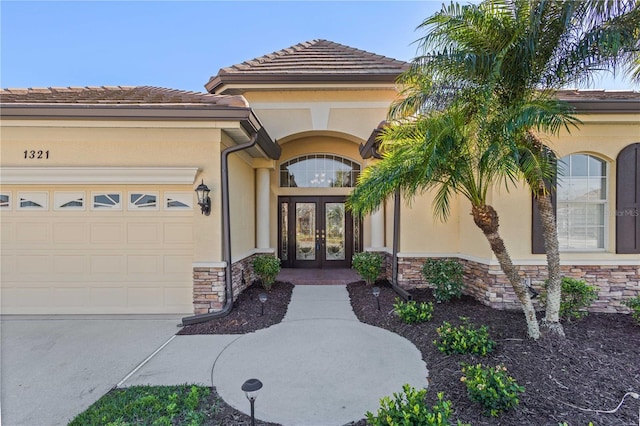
[319, 367]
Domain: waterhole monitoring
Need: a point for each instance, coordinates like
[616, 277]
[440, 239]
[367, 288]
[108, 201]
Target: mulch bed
[246, 316]
[592, 369]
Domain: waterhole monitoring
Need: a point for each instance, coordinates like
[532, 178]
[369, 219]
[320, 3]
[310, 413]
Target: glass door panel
[305, 231]
[334, 231]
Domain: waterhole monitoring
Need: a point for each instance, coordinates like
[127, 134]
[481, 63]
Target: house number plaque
[36, 155]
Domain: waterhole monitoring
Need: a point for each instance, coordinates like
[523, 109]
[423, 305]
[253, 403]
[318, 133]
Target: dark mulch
[593, 368]
[246, 316]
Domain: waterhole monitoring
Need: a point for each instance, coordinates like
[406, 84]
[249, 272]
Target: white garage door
[119, 250]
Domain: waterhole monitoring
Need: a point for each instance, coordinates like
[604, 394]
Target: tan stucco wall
[601, 135]
[352, 112]
[242, 205]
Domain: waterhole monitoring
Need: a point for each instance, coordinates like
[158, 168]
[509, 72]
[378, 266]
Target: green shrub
[413, 312]
[464, 339]
[634, 304]
[267, 268]
[491, 387]
[368, 265]
[576, 296]
[409, 408]
[446, 275]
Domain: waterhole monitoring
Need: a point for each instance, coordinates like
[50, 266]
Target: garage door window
[33, 200]
[68, 200]
[143, 201]
[178, 200]
[110, 201]
[5, 201]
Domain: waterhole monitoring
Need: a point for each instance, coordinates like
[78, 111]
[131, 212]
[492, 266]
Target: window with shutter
[628, 200]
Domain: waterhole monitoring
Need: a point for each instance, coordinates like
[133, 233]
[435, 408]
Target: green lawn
[151, 405]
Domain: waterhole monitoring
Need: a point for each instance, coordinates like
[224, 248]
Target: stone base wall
[490, 286]
[209, 285]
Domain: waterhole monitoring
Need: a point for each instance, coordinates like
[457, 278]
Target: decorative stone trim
[209, 287]
[488, 285]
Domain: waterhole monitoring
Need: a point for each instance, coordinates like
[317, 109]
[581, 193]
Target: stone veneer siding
[490, 286]
[209, 284]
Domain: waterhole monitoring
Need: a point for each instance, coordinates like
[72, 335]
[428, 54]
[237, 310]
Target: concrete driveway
[54, 367]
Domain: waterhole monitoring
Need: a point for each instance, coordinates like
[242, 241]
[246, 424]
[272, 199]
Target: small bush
[491, 387]
[634, 304]
[368, 265]
[446, 275]
[409, 408]
[464, 339]
[413, 312]
[576, 297]
[267, 268]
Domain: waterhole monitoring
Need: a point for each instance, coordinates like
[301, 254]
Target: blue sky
[181, 44]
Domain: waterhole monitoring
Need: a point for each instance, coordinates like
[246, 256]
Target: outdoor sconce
[263, 298]
[532, 291]
[376, 293]
[203, 198]
[251, 388]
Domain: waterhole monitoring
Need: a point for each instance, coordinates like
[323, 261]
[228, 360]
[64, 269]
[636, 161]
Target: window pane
[319, 171]
[597, 167]
[579, 165]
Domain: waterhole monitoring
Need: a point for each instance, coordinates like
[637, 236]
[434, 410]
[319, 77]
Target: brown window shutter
[537, 237]
[628, 200]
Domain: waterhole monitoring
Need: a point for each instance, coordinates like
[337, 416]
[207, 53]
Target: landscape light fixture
[203, 198]
[532, 291]
[251, 388]
[376, 293]
[263, 298]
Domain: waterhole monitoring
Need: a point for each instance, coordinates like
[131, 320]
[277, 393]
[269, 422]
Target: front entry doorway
[316, 232]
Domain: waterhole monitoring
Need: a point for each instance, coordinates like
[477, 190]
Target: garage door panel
[33, 232]
[8, 233]
[24, 297]
[76, 297]
[108, 233]
[137, 264]
[141, 296]
[176, 297]
[70, 233]
[180, 264]
[33, 264]
[108, 297]
[70, 264]
[178, 233]
[144, 233]
[113, 265]
[8, 265]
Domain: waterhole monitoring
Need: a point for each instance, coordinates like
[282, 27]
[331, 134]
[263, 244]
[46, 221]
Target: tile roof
[597, 95]
[315, 60]
[116, 95]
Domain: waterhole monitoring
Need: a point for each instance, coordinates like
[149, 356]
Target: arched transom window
[319, 171]
[582, 202]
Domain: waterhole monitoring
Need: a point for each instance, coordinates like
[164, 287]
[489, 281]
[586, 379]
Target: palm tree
[523, 50]
[451, 151]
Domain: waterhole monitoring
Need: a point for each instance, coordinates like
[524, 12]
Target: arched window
[319, 171]
[582, 202]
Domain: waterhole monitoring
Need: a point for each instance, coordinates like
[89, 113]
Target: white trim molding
[209, 264]
[98, 175]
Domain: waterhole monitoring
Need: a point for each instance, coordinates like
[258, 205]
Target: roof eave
[609, 106]
[218, 81]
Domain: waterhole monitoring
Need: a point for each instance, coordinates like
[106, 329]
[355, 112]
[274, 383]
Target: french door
[316, 232]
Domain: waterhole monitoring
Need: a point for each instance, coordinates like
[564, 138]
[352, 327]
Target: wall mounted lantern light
[251, 388]
[203, 198]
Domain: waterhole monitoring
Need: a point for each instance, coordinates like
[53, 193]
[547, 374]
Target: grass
[151, 405]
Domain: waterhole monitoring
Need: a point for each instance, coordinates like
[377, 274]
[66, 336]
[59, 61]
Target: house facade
[99, 213]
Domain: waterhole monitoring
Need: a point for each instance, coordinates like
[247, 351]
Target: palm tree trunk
[486, 218]
[551, 320]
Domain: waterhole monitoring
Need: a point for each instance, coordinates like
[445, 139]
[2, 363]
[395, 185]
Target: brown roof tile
[312, 61]
[116, 95]
[597, 95]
